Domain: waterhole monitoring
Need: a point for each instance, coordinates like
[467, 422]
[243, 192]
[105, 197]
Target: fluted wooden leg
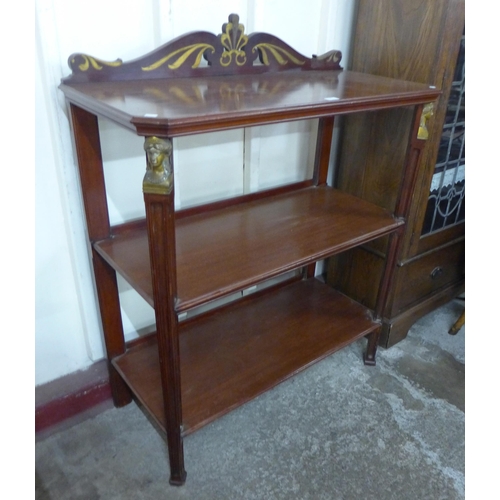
[158, 190]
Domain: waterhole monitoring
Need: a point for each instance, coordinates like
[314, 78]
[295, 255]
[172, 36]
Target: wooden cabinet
[190, 372]
[423, 41]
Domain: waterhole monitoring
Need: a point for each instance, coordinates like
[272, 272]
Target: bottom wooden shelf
[232, 355]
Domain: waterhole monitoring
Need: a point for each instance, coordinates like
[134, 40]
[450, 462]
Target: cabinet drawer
[425, 275]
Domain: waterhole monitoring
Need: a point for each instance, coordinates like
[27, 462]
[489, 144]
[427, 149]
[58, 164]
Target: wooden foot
[176, 458]
[371, 349]
[369, 361]
[178, 479]
[458, 324]
[119, 390]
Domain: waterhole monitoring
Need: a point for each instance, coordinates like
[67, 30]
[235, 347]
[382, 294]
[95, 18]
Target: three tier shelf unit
[189, 373]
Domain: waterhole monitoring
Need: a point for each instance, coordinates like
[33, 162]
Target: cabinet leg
[158, 188]
[371, 349]
[88, 151]
[119, 390]
[176, 457]
[401, 211]
[109, 304]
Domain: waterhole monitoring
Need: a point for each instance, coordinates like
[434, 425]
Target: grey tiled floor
[339, 430]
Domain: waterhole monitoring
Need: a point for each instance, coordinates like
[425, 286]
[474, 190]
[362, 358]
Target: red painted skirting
[71, 396]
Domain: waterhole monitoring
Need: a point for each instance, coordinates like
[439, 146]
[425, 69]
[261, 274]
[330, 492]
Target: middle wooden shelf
[226, 250]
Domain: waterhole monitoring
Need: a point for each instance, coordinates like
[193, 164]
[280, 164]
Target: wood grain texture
[396, 329]
[181, 107]
[88, 152]
[231, 249]
[87, 145]
[160, 217]
[428, 274]
[323, 150]
[415, 40]
[418, 40]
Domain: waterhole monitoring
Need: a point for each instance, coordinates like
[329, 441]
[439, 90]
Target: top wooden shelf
[175, 107]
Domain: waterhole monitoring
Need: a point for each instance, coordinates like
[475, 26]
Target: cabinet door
[446, 203]
[411, 39]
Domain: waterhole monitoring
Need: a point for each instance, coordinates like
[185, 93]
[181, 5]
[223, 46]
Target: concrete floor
[339, 430]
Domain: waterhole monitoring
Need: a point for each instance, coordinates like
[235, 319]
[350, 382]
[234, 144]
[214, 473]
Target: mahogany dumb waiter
[190, 372]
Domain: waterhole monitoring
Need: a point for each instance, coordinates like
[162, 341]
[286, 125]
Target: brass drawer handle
[436, 272]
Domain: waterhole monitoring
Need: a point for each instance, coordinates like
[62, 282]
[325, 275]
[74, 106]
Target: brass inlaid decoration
[182, 55]
[230, 52]
[97, 64]
[427, 112]
[333, 56]
[277, 52]
[159, 177]
[233, 40]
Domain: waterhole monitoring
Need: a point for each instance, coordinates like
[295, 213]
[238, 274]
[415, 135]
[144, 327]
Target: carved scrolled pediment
[205, 54]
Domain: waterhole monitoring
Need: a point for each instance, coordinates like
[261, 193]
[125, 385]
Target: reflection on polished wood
[183, 106]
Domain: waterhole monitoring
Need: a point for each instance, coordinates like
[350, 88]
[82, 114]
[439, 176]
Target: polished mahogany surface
[227, 250]
[181, 106]
[242, 350]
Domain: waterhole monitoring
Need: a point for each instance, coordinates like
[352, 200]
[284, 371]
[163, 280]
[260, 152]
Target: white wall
[68, 335]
